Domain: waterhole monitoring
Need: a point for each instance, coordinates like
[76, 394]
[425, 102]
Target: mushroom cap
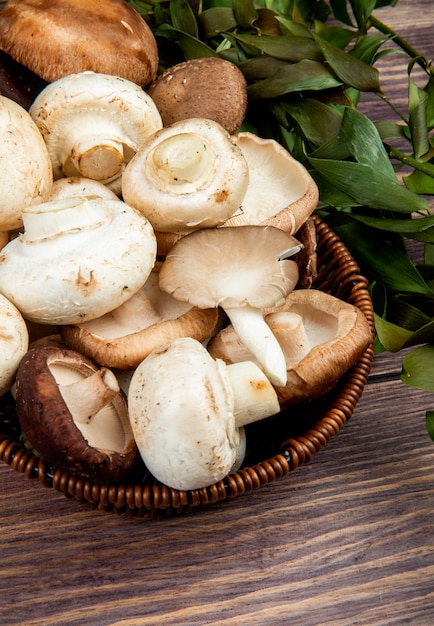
[281, 191]
[14, 341]
[80, 105]
[69, 36]
[184, 444]
[125, 336]
[25, 167]
[208, 87]
[51, 430]
[77, 259]
[186, 176]
[72, 186]
[337, 333]
[231, 267]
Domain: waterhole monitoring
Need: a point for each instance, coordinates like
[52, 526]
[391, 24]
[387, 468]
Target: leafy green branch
[307, 63]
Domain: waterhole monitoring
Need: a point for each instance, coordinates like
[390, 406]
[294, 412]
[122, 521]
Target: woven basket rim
[338, 274]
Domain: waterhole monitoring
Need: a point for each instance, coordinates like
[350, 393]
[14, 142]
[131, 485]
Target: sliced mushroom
[281, 191]
[186, 411]
[77, 259]
[75, 415]
[93, 124]
[69, 36]
[126, 335]
[25, 167]
[187, 176]
[14, 341]
[320, 335]
[242, 269]
[209, 87]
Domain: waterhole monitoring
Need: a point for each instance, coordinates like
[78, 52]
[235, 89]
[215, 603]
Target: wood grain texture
[347, 539]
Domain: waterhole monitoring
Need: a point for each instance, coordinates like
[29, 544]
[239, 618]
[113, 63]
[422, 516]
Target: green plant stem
[408, 160]
[424, 63]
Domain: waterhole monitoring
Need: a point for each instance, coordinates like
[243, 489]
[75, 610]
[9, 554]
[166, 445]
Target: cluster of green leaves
[306, 63]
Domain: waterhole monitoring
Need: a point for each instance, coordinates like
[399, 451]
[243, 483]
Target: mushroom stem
[290, 332]
[253, 331]
[183, 158]
[86, 397]
[96, 159]
[254, 396]
[49, 219]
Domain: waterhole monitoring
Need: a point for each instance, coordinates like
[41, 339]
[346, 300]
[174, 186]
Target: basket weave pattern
[339, 275]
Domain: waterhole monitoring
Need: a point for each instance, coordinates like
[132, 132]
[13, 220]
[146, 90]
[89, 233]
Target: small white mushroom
[14, 341]
[242, 269]
[187, 176]
[93, 124]
[186, 411]
[25, 167]
[73, 186]
[77, 259]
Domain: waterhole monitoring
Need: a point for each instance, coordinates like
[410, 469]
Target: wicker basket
[284, 442]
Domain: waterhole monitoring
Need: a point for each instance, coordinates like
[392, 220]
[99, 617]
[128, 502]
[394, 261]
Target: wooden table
[347, 539]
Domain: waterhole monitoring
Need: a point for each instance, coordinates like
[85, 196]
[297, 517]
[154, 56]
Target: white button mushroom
[14, 341]
[186, 411]
[25, 167]
[77, 259]
[93, 124]
[187, 176]
[242, 269]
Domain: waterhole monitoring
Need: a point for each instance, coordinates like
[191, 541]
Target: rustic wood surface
[347, 539]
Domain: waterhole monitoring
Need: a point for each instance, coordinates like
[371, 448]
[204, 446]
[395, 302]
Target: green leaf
[419, 182]
[292, 77]
[391, 336]
[406, 227]
[288, 48]
[348, 68]
[429, 422]
[418, 368]
[318, 121]
[183, 18]
[417, 106]
[369, 187]
[218, 20]
[388, 264]
[245, 13]
[362, 136]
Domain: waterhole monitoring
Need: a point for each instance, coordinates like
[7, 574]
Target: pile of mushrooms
[150, 273]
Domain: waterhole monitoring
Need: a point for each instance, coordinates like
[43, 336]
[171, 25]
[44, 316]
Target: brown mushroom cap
[50, 429]
[54, 38]
[208, 87]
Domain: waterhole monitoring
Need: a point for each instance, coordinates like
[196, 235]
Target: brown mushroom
[128, 334]
[208, 87]
[321, 337]
[63, 37]
[74, 414]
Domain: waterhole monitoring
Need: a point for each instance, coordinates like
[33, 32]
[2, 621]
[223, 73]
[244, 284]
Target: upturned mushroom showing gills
[62, 37]
[77, 259]
[93, 124]
[320, 335]
[186, 411]
[14, 341]
[74, 414]
[281, 191]
[242, 269]
[126, 335]
[187, 176]
[25, 166]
